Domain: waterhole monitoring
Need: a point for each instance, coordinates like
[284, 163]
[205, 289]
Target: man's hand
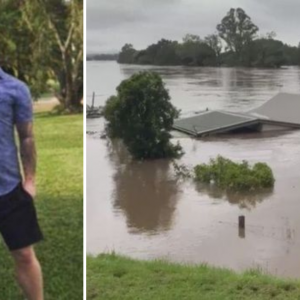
[29, 187]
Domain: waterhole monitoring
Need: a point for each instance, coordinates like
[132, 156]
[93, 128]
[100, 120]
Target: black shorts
[18, 220]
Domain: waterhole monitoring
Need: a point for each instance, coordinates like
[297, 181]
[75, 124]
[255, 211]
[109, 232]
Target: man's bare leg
[28, 273]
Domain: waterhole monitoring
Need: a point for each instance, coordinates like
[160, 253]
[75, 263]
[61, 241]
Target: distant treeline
[236, 43]
[102, 56]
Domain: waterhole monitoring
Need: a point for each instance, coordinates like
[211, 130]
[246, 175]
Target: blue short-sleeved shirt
[15, 107]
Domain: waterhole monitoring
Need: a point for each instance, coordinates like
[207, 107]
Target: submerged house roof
[282, 110]
[213, 122]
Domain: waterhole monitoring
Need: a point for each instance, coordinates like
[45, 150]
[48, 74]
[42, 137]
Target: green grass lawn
[111, 277]
[59, 204]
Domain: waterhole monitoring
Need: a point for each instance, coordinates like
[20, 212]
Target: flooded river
[143, 211]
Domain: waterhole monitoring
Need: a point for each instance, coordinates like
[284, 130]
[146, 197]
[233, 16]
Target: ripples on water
[141, 210]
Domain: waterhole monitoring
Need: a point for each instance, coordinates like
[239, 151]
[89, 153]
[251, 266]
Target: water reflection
[179, 220]
[144, 192]
[244, 200]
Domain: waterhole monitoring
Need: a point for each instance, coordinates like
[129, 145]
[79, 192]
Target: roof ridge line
[245, 114]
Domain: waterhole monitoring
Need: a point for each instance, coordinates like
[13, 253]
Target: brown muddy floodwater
[141, 210]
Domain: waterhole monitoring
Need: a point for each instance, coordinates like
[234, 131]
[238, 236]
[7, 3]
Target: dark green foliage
[192, 51]
[127, 54]
[235, 176]
[291, 55]
[111, 113]
[237, 30]
[195, 52]
[243, 48]
[267, 53]
[41, 41]
[162, 53]
[142, 116]
[215, 43]
[18, 47]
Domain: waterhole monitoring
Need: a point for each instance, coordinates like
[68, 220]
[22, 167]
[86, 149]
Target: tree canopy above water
[236, 35]
[142, 115]
[237, 30]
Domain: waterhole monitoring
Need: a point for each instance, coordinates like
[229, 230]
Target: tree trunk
[71, 90]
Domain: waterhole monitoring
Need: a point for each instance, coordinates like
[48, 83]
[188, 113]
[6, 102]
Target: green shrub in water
[230, 175]
[142, 115]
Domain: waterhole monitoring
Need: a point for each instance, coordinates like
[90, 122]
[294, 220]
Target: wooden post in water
[242, 222]
[242, 231]
[93, 100]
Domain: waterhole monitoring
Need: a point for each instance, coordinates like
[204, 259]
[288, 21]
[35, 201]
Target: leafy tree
[43, 39]
[268, 53]
[164, 52]
[18, 49]
[243, 48]
[127, 54]
[230, 175]
[271, 35]
[191, 38]
[215, 43]
[195, 52]
[57, 26]
[142, 116]
[192, 51]
[111, 113]
[291, 55]
[237, 30]
[60, 43]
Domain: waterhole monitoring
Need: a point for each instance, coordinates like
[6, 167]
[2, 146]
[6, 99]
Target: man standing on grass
[18, 221]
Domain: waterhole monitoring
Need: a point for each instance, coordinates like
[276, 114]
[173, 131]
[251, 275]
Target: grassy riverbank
[60, 207]
[111, 277]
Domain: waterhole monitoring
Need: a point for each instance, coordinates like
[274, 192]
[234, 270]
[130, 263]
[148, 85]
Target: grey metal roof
[212, 121]
[281, 108]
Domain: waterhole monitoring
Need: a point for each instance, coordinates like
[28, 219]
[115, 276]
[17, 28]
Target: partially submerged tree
[214, 42]
[127, 54]
[237, 30]
[142, 116]
[267, 53]
[196, 52]
[230, 175]
[192, 51]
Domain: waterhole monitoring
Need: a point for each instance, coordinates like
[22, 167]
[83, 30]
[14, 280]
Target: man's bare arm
[28, 155]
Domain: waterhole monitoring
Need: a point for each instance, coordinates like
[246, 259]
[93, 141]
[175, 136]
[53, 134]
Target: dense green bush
[230, 175]
[111, 114]
[142, 115]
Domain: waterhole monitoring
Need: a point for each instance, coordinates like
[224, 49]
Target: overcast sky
[112, 23]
